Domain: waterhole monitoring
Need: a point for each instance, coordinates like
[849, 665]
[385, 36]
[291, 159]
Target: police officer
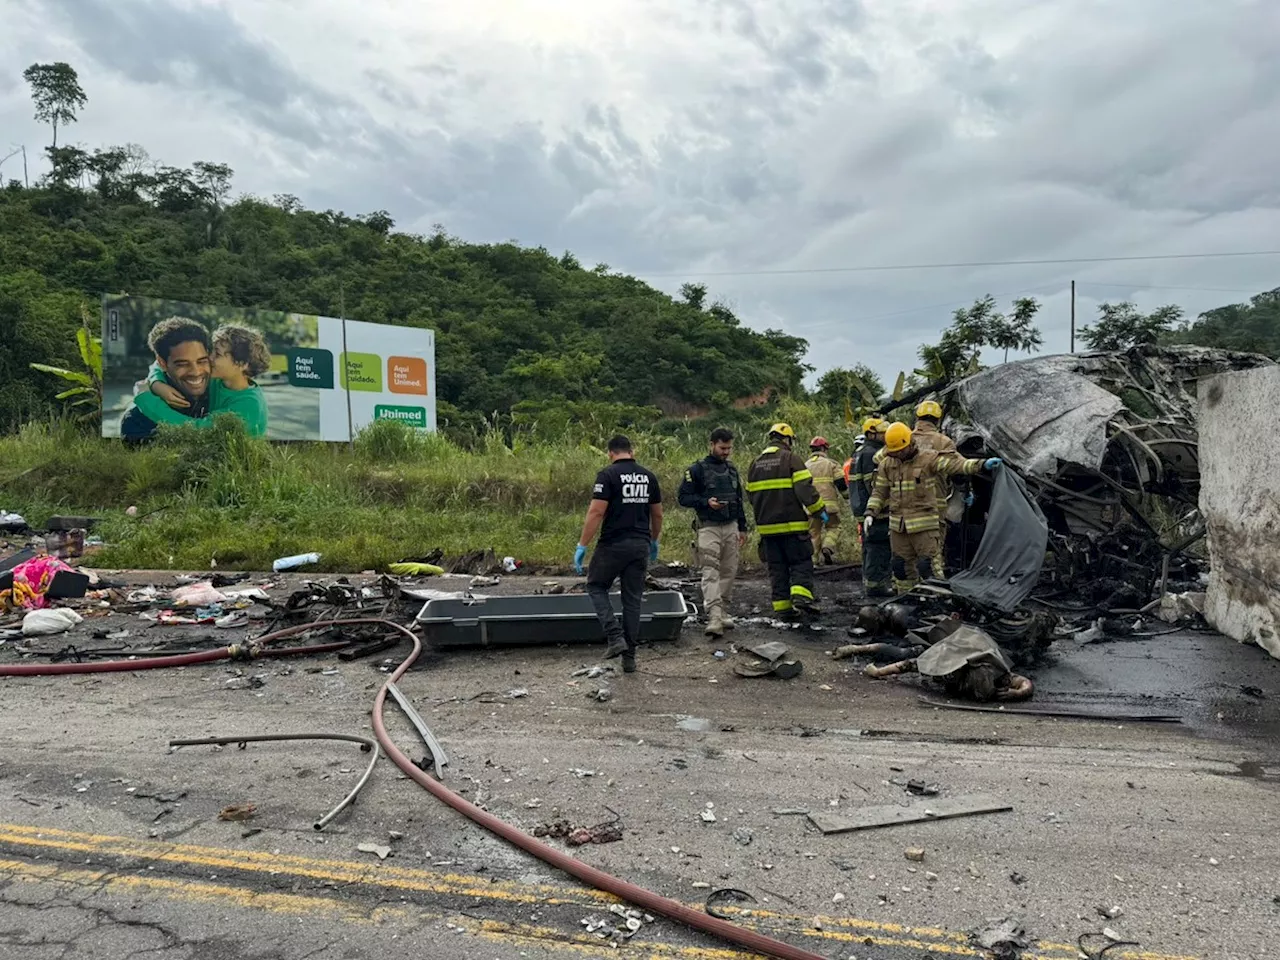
[626, 510]
[784, 500]
[712, 489]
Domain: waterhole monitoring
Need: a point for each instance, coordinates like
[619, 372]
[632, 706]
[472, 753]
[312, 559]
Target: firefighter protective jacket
[781, 491]
[906, 488]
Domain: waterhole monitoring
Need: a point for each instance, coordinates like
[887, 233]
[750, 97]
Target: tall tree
[56, 92]
[1017, 332]
[850, 390]
[1122, 325]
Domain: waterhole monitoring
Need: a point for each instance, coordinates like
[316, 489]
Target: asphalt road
[111, 844]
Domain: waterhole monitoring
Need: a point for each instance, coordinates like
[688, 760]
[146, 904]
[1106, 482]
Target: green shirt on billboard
[249, 405]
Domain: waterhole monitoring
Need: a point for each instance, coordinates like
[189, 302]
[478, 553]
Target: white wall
[1240, 499]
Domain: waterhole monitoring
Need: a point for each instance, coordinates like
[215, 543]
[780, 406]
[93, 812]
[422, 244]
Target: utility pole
[1073, 316]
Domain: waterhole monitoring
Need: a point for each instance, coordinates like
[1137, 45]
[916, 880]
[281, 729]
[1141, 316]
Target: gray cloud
[739, 135]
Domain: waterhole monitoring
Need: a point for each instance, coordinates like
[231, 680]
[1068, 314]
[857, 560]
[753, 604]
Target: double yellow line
[384, 876]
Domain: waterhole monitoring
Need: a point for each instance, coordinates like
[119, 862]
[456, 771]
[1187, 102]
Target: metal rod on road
[365, 744]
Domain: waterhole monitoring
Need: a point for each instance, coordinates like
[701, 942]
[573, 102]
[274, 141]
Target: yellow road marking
[466, 885]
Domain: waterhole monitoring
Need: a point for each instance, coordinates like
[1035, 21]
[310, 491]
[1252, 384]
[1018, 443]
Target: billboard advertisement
[288, 376]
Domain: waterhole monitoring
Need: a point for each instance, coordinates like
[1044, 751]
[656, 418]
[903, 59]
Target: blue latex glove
[653, 551]
[578, 556]
[995, 463]
[824, 516]
[968, 499]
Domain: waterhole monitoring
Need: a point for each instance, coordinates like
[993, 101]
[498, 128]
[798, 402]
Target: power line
[968, 263]
[1148, 286]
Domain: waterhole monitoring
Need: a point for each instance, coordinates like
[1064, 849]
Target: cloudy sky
[753, 146]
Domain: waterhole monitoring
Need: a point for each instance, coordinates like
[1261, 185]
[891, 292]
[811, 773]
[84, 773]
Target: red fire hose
[641, 897]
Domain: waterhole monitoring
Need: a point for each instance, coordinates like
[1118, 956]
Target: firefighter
[784, 500]
[712, 489]
[877, 567]
[904, 488]
[830, 483]
[928, 436]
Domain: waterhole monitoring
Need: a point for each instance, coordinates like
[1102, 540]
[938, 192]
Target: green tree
[1121, 326]
[1253, 327]
[851, 391]
[1018, 331]
[56, 92]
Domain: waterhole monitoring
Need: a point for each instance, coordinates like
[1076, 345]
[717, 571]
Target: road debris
[914, 854]
[718, 899]
[238, 811]
[1003, 939]
[868, 818]
[600, 694]
[381, 850]
[743, 836]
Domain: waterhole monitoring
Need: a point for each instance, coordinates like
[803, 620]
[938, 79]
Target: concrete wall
[1240, 499]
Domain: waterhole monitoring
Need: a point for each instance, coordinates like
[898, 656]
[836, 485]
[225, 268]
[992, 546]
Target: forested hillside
[520, 331]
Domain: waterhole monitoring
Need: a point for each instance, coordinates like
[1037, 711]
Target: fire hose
[624, 890]
[647, 899]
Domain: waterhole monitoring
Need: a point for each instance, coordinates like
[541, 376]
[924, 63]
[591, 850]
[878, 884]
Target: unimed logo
[409, 416]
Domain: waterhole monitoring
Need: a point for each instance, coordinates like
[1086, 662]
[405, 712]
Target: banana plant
[86, 393]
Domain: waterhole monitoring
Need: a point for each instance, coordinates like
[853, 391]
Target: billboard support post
[346, 380]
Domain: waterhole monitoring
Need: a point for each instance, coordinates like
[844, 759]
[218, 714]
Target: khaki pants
[718, 554]
[817, 529]
[913, 555]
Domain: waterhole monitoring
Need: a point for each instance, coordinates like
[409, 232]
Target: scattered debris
[773, 660]
[1112, 941]
[725, 895]
[49, 621]
[516, 693]
[921, 789]
[1017, 878]
[708, 816]
[608, 832]
[580, 773]
[299, 560]
[592, 673]
[914, 854]
[868, 818]
[743, 836]
[381, 850]
[238, 811]
[600, 695]
[1003, 940]
[790, 811]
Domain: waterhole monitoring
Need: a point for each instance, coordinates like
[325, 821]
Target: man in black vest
[626, 510]
[712, 489]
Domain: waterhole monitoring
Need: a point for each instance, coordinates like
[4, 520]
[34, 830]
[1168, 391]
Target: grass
[219, 497]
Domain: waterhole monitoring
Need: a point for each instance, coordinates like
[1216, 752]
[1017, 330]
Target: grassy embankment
[219, 497]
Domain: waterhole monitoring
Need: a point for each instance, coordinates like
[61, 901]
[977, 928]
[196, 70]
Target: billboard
[289, 376]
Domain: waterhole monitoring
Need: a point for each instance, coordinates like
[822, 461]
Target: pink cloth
[31, 581]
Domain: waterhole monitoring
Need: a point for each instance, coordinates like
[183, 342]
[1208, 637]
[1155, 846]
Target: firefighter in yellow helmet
[929, 436]
[904, 489]
[876, 564]
[829, 481]
[783, 499]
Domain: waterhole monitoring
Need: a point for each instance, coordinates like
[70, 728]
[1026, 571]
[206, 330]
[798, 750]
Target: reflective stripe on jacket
[780, 488]
[825, 470]
[906, 488]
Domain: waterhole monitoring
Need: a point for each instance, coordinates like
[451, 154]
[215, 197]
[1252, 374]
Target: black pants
[628, 562]
[877, 557]
[790, 560]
